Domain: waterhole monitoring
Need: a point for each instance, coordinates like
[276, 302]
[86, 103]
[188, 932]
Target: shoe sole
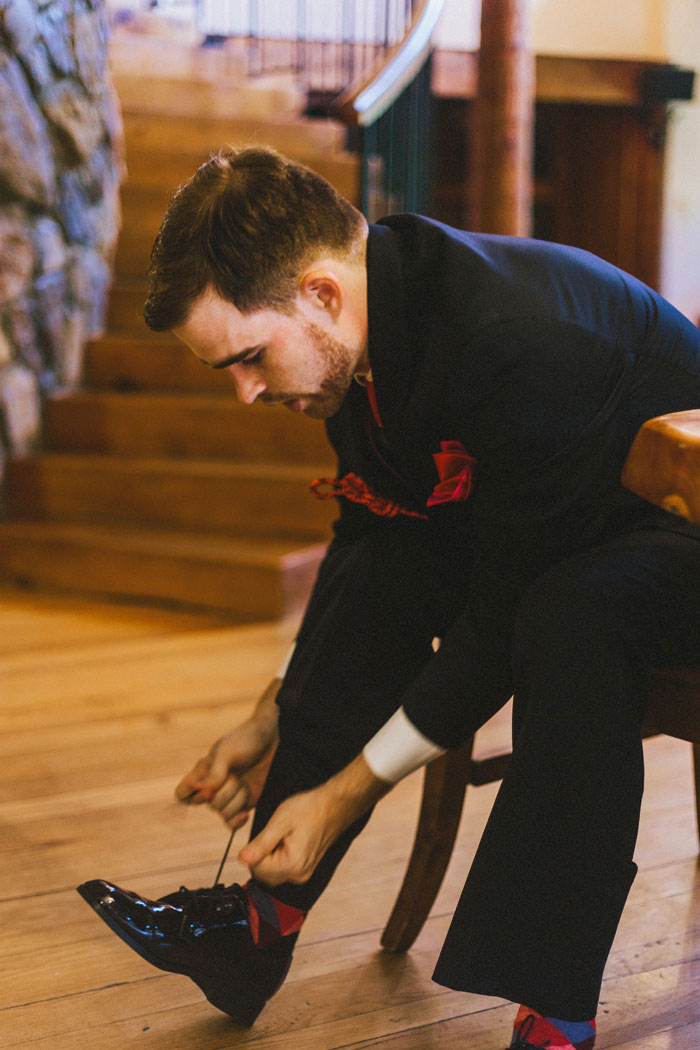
[218, 995]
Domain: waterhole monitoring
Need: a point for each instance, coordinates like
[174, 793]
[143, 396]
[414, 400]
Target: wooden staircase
[154, 484]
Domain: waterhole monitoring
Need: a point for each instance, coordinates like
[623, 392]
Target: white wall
[612, 28]
[604, 28]
[681, 230]
[458, 28]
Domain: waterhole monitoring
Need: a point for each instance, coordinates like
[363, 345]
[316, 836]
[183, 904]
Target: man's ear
[322, 290]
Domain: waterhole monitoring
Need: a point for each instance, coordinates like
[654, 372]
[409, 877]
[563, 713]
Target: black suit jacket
[543, 361]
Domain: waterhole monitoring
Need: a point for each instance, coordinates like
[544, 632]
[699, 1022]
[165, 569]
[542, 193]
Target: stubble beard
[339, 360]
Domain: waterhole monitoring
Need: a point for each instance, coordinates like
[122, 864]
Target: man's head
[259, 268]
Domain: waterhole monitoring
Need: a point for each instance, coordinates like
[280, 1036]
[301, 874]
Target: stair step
[183, 425]
[165, 131]
[226, 97]
[125, 307]
[154, 47]
[147, 203]
[261, 579]
[148, 361]
[133, 252]
[234, 498]
[163, 170]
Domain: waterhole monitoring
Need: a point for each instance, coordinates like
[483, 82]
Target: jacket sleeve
[540, 436]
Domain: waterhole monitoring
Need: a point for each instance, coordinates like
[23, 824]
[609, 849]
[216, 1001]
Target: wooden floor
[103, 707]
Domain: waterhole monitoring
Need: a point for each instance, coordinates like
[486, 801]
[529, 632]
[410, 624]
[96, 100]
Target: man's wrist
[266, 710]
[355, 789]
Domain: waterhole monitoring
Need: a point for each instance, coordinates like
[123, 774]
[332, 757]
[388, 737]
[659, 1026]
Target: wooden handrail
[380, 85]
[663, 463]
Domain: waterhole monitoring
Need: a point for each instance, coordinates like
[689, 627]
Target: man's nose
[247, 386]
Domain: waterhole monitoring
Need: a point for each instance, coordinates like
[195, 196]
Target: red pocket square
[455, 470]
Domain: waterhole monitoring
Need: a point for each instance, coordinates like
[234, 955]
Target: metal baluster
[262, 31]
[345, 46]
[352, 50]
[326, 63]
[300, 49]
[252, 37]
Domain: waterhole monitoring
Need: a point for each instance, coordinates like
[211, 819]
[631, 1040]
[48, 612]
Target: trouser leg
[367, 632]
[542, 901]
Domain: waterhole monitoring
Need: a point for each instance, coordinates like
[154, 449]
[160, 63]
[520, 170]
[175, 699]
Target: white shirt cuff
[398, 748]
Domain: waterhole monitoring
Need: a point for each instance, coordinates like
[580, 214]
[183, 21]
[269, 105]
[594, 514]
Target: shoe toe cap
[126, 908]
[97, 891]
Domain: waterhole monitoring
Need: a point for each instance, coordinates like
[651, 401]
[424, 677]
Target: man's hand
[303, 827]
[231, 777]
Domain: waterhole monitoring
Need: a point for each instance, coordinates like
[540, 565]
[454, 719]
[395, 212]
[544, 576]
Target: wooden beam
[505, 118]
[590, 81]
[559, 78]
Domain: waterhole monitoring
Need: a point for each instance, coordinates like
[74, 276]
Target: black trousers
[546, 889]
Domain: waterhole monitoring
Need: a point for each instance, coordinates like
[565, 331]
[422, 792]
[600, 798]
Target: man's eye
[254, 358]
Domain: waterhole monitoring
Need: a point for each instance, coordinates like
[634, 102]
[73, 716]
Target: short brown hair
[244, 224]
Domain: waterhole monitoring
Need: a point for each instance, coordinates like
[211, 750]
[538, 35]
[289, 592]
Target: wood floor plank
[36, 763]
[674, 1038]
[136, 676]
[316, 993]
[101, 710]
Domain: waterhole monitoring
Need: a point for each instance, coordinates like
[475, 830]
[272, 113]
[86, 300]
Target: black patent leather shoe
[204, 934]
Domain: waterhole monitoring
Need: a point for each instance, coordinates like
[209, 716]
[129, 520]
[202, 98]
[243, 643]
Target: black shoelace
[201, 904]
[521, 1042]
[224, 858]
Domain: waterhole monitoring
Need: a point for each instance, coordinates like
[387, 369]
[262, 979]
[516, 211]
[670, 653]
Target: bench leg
[445, 783]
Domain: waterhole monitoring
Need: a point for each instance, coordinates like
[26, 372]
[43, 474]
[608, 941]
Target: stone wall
[60, 167]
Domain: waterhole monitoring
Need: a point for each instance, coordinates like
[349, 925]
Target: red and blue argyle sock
[269, 918]
[530, 1027]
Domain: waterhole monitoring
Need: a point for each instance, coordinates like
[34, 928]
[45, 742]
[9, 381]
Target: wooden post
[504, 120]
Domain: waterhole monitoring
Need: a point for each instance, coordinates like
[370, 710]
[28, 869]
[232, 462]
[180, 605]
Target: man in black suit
[482, 394]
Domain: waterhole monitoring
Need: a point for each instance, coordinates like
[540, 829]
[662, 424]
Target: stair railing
[366, 62]
[328, 42]
[390, 105]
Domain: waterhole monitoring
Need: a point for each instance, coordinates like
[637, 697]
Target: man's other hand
[231, 777]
